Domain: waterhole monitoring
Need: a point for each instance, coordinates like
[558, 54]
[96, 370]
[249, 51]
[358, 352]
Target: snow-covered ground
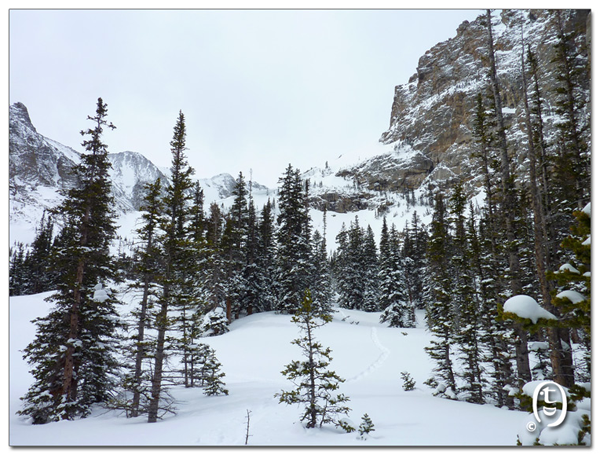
[367, 354]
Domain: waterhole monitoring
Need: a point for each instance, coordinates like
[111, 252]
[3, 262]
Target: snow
[588, 209]
[566, 433]
[368, 355]
[573, 296]
[527, 308]
[569, 268]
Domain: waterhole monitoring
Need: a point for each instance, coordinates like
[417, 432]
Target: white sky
[259, 88]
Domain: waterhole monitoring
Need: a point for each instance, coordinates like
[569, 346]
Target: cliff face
[432, 114]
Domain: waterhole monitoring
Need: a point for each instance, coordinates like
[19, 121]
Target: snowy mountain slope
[39, 169]
[368, 355]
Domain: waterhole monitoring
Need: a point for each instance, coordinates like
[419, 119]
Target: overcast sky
[259, 88]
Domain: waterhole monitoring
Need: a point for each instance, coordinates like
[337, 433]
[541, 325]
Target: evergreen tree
[321, 280]
[366, 426]
[266, 259]
[37, 260]
[148, 270]
[572, 162]
[179, 300]
[573, 296]
[315, 385]
[467, 301]
[369, 264]
[73, 353]
[19, 277]
[414, 247]
[440, 312]
[293, 242]
[398, 311]
[508, 210]
[236, 250]
[495, 336]
[213, 376]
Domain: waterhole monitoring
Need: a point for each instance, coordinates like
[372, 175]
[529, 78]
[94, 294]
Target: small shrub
[366, 426]
[409, 382]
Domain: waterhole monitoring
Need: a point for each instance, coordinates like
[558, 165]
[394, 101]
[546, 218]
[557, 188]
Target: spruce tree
[73, 353]
[178, 301]
[467, 302]
[293, 241]
[369, 264]
[393, 291]
[149, 266]
[213, 376]
[321, 274]
[315, 386]
[19, 278]
[440, 312]
[36, 263]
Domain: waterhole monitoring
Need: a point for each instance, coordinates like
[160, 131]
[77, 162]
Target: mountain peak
[19, 112]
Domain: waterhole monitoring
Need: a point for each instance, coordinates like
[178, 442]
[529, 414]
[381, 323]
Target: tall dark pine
[73, 352]
[467, 301]
[177, 277]
[293, 241]
[440, 311]
[237, 246]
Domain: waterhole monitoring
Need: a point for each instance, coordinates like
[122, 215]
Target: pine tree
[321, 280]
[573, 166]
[315, 385]
[37, 260]
[573, 296]
[366, 426]
[369, 264]
[440, 312]
[508, 206]
[398, 311]
[414, 246]
[213, 376]
[466, 300]
[237, 246]
[179, 278]
[19, 277]
[73, 353]
[148, 270]
[495, 336]
[293, 241]
[266, 258]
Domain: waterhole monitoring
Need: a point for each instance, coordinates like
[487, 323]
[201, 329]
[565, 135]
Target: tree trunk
[560, 358]
[159, 359]
[139, 355]
[508, 209]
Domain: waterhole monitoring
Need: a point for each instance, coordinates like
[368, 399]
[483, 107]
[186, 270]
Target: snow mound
[527, 308]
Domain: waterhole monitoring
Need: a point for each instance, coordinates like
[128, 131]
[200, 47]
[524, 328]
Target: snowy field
[367, 354]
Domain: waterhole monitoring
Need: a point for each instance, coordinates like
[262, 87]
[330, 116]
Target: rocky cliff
[432, 114]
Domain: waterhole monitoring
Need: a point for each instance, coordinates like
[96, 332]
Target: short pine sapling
[409, 382]
[213, 376]
[315, 385]
[366, 427]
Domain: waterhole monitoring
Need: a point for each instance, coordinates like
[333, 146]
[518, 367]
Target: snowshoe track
[385, 352]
